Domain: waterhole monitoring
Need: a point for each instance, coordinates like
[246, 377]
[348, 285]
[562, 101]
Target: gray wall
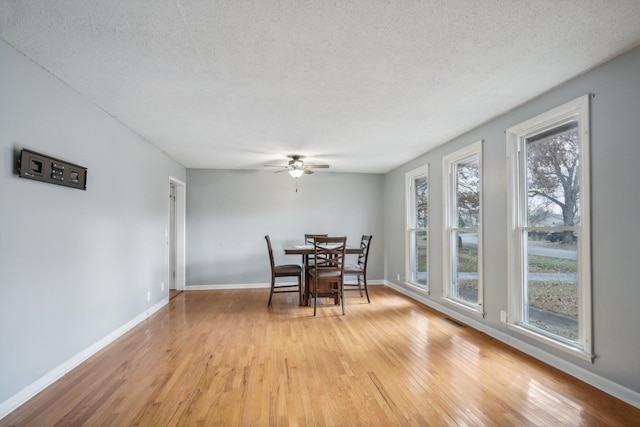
[230, 211]
[75, 265]
[615, 151]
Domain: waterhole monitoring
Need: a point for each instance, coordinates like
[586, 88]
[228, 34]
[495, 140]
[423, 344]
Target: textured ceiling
[364, 85]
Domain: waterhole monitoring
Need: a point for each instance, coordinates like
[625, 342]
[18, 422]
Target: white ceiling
[364, 85]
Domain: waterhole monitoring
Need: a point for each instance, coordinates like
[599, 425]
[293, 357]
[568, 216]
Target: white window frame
[410, 176]
[517, 223]
[449, 216]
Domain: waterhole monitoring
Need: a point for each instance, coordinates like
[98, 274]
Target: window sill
[469, 309]
[574, 351]
[417, 288]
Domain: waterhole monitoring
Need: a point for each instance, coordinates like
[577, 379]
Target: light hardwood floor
[223, 358]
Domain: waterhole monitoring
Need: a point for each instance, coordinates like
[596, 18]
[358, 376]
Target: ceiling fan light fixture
[296, 173]
[297, 167]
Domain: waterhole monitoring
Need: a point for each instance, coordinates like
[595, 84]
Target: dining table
[305, 250]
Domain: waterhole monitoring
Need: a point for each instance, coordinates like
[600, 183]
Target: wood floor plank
[223, 358]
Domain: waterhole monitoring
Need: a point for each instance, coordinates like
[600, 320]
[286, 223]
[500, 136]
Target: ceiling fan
[296, 167]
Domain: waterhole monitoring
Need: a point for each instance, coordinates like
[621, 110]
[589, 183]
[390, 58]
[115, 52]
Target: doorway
[176, 235]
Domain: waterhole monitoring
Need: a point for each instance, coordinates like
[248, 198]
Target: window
[462, 232]
[417, 237]
[549, 242]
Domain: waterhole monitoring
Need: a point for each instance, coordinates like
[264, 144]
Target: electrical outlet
[161, 286]
[148, 295]
[398, 277]
[503, 316]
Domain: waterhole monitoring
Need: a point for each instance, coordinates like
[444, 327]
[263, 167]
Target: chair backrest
[364, 247]
[330, 252]
[273, 264]
[308, 238]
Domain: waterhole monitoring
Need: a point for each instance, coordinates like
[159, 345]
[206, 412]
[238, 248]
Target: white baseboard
[251, 286]
[55, 374]
[228, 286]
[626, 395]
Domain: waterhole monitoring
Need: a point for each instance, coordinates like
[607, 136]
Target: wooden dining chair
[326, 277]
[308, 260]
[283, 270]
[359, 269]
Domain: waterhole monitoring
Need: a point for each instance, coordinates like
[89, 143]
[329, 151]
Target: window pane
[553, 172]
[420, 202]
[551, 298]
[468, 193]
[549, 249]
[419, 259]
[465, 280]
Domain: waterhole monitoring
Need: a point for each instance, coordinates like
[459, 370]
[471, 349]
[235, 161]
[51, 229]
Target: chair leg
[342, 298]
[366, 290]
[315, 298]
[271, 293]
[300, 289]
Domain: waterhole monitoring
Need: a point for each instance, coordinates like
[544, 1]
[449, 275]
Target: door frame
[180, 235]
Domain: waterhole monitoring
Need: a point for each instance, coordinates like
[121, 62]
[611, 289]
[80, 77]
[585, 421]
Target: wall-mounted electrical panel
[44, 168]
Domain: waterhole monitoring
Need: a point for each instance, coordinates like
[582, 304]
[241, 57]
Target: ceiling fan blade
[283, 170]
[274, 166]
[308, 172]
[316, 166]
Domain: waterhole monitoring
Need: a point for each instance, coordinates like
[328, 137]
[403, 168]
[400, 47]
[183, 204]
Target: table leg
[305, 270]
